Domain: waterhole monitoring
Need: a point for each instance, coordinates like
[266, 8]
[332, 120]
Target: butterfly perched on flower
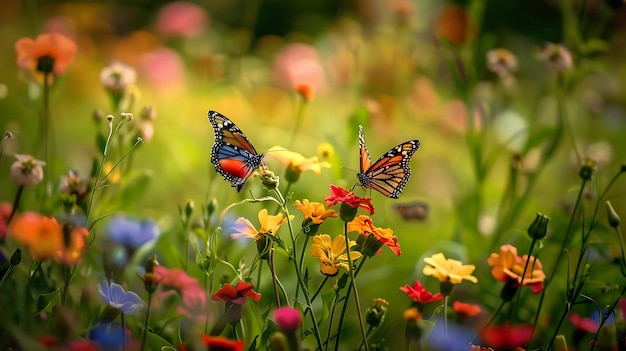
[233, 155]
[391, 172]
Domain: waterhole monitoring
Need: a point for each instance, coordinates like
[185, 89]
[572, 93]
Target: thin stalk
[16, 203]
[123, 331]
[521, 283]
[146, 323]
[493, 317]
[274, 278]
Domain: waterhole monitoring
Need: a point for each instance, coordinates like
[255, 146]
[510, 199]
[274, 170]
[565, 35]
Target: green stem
[493, 317]
[521, 283]
[274, 278]
[123, 331]
[445, 316]
[146, 323]
[345, 307]
[16, 203]
[299, 116]
[47, 130]
[319, 288]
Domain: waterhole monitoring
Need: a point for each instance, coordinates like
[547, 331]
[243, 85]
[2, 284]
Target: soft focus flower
[501, 62]
[131, 232]
[73, 184]
[344, 196]
[27, 170]
[332, 254]
[243, 228]
[299, 64]
[587, 325]
[364, 226]
[113, 175]
[296, 162]
[236, 295]
[181, 19]
[117, 76]
[53, 343]
[448, 269]
[306, 91]
[115, 296]
[287, 318]
[110, 336]
[453, 23]
[419, 293]
[221, 343]
[5, 212]
[508, 267]
[507, 336]
[412, 314]
[558, 58]
[314, 211]
[192, 293]
[49, 52]
[375, 314]
[466, 309]
[44, 238]
[325, 151]
[164, 70]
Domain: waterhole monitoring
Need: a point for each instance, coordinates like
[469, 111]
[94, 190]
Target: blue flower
[115, 296]
[132, 233]
[110, 336]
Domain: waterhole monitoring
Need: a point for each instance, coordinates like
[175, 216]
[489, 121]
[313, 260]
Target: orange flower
[306, 91]
[50, 52]
[466, 309]
[453, 23]
[43, 236]
[364, 226]
[314, 211]
[508, 267]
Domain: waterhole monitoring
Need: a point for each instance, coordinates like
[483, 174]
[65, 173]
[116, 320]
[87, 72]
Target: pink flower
[5, 212]
[193, 296]
[288, 318]
[237, 295]
[419, 294]
[587, 325]
[164, 69]
[181, 18]
[299, 64]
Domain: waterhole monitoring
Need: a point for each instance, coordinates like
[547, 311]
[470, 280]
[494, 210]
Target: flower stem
[521, 283]
[445, 316]
[46, 126]
[16, 204]
[146, 323]
[274, 278]
[123, 332]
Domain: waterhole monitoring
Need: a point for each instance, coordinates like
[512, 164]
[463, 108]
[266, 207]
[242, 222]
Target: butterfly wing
[365, 159]
[233, 156]
[391, 172]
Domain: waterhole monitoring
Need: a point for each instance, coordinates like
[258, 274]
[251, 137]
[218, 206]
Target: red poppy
[55, 46]
[347, 197]
[466, 309]
[419, 294]
[237, 295]
[507, 336]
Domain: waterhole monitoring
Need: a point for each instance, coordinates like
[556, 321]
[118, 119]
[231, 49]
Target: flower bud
[16, 258]
[445, 288]
[292, 173]
[613, 216]
[586, 171]
[375, 315]
[269, 180]
[288, 319]
[278, 342]
[560, 343]
[189, 207]
[413, 329]
[347, 212]
[539, 227]
[27, 170]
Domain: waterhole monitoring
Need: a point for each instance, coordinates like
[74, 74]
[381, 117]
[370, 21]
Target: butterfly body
[390, 173]
[233, 156]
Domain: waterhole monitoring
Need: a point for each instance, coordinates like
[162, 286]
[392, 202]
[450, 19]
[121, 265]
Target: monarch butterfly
[391, 172]
[233, 155]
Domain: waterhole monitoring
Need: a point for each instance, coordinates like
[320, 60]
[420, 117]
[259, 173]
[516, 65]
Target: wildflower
[501, 62]
[587, 325]
[465, 309]
[192, 293]
[332, 254]
[314, 214]
[27, 170]
[299, 64]
[181, 19]
[48, 53]
[557, 57]
[268, 179]
[306, 91]
[414, 329]
[150, 280]
[115, 296]
[287, 318]
[72, 184]
[448, 269]
[235, 297]
[52, 343]
[117, 77]
[74, 247]
[222, 343]
[508, 268]
[374, 237]
[132, 233]
[325, 151]
[243, 228]
[419, 294]
[296, 163]
[507, 336]
[453, 23]
[110, 336]
[375, 314]
[164, 69]
[349, 203]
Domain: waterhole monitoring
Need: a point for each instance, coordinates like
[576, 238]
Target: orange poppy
[31, 54]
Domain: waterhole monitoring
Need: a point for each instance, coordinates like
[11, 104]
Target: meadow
[195, 175]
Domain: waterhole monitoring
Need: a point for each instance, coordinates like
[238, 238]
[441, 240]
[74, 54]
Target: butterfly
[233, 155]
[391, 172]
[412, 211]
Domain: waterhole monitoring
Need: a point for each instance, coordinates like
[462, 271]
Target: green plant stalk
[301, 109]
[67, 278]
[123, 331]
[345, 307]
[146, 323]
[493, 317]
[16, 203]
[521, 283]
[274, 277]
[46, 130]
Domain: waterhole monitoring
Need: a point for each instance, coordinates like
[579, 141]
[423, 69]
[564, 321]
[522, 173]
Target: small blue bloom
[115, 296]
[109, 336]
[130, 232]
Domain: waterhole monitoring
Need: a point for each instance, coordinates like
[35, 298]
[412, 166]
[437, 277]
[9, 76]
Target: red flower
[587, 325]
[507, 336]
[237, 295]
[5, 212]
[465, 309]
[53, 46]
[192, 293]
[419, 294]
[221, 343]
[347, 197]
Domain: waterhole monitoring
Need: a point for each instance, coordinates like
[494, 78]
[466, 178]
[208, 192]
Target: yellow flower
[243, 228]
[332, 254]
[448, 270]
[297, 161]
[314, 211]
[325, 151]
[114, 175]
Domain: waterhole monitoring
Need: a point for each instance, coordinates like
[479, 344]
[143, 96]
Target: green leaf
[156, 342]
[328, 301]
[45, 300]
